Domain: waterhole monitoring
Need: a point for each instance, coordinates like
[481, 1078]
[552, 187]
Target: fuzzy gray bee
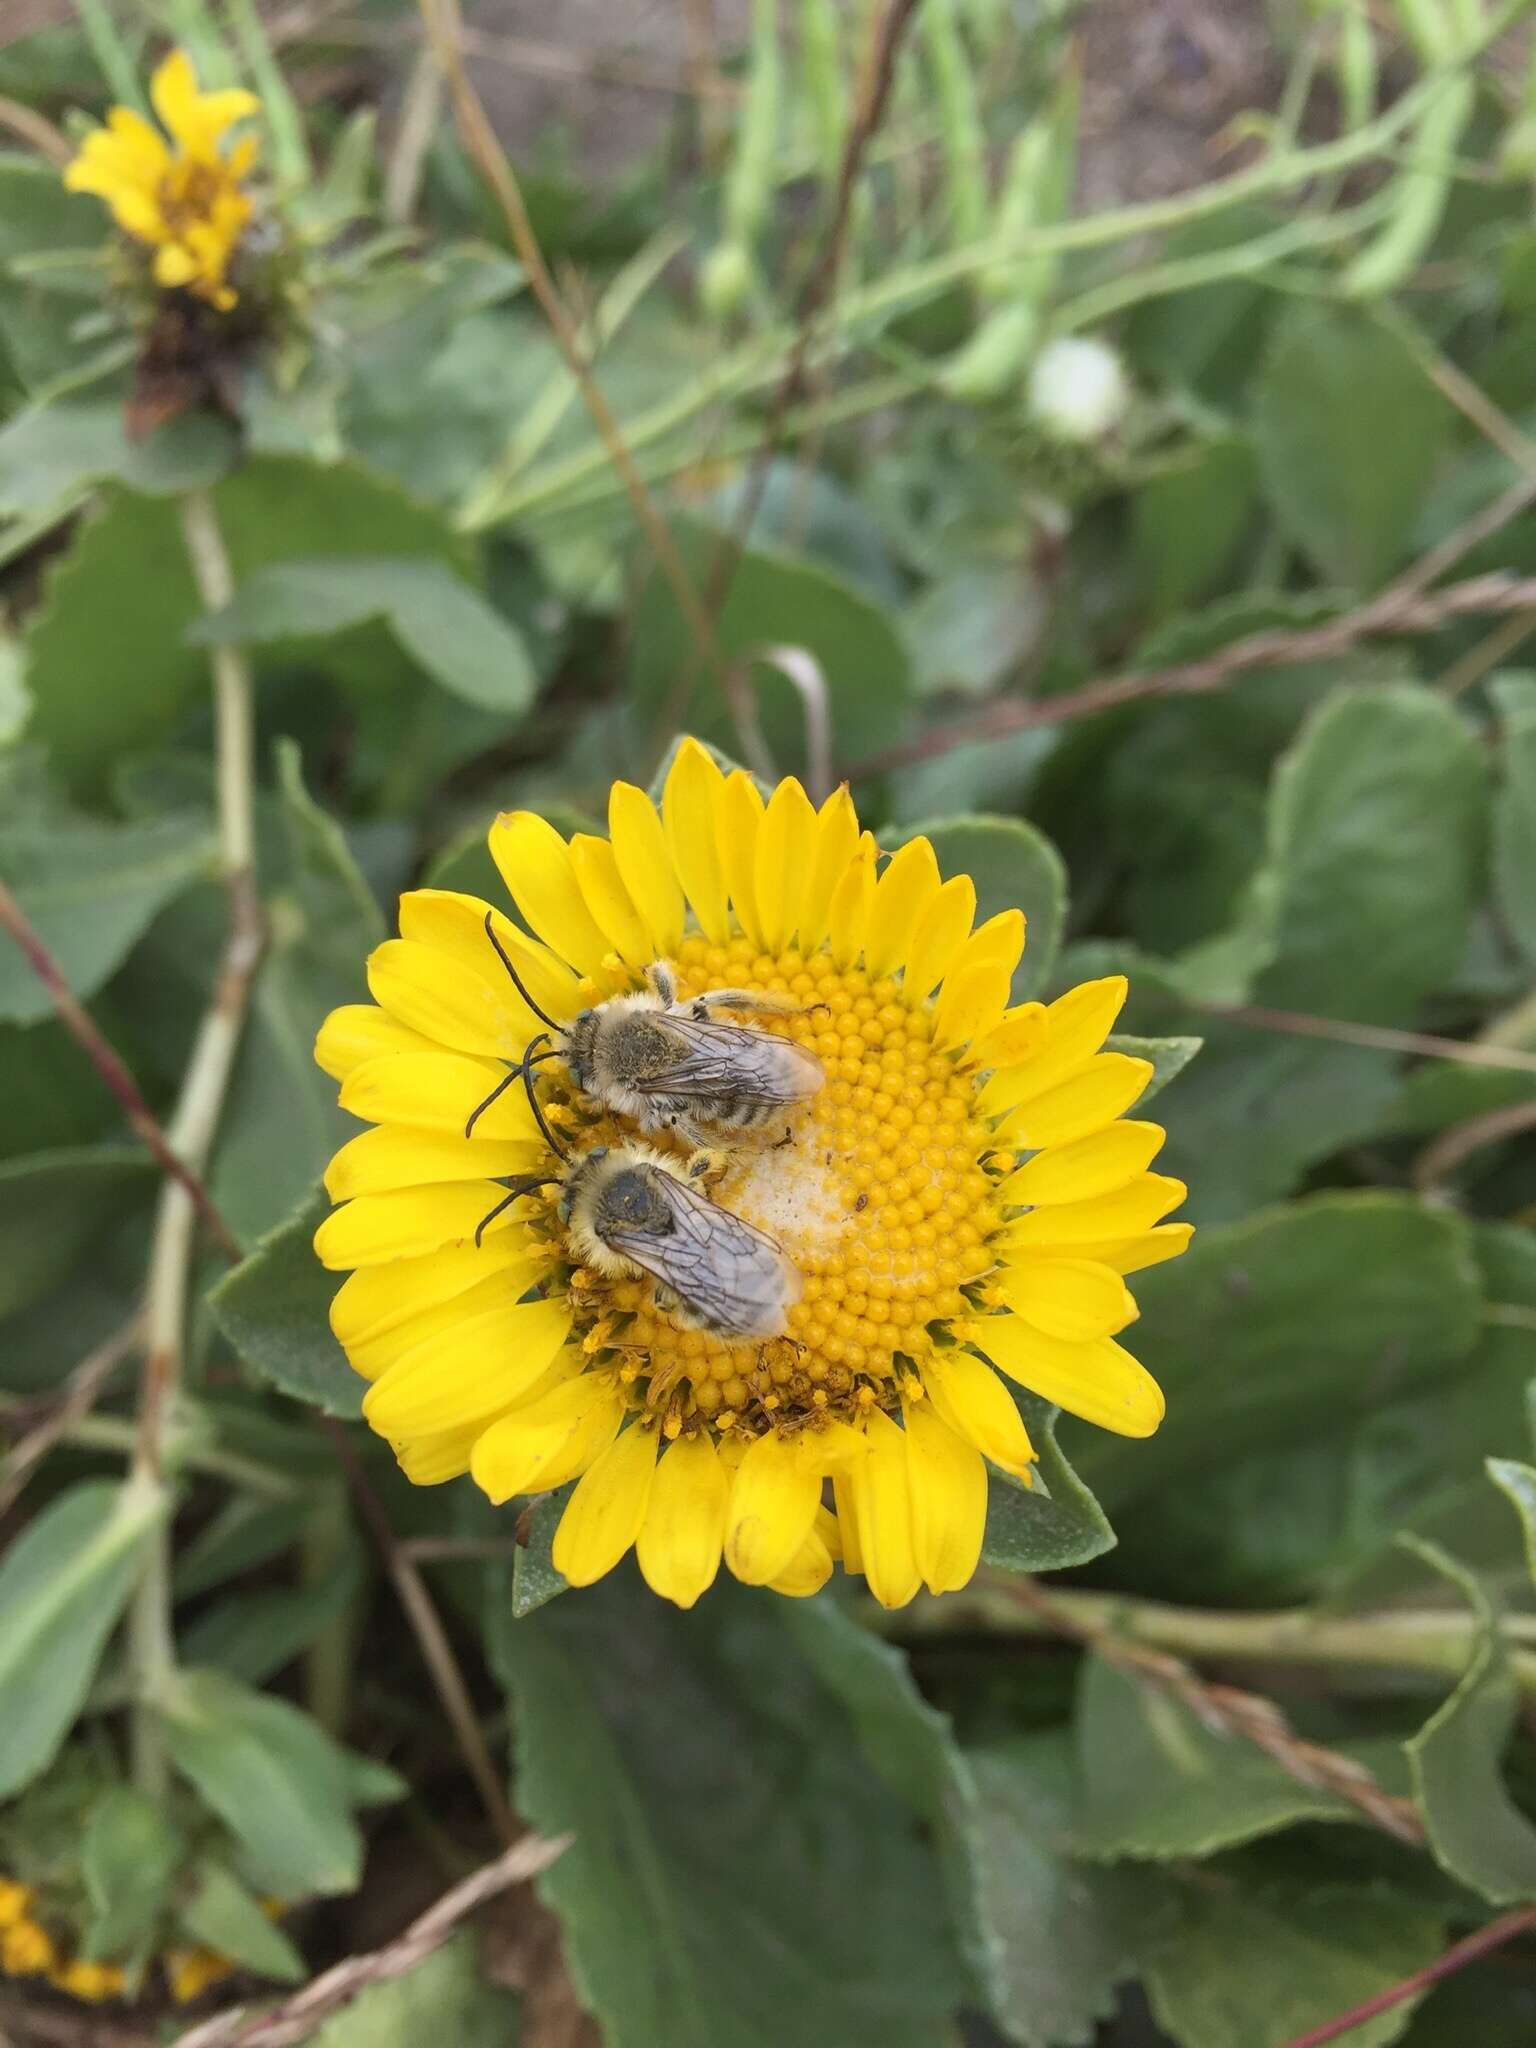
[629, 1210]
[669, 1065]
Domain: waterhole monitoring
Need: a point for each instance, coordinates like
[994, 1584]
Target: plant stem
[192, 1130]
[1430, 1640]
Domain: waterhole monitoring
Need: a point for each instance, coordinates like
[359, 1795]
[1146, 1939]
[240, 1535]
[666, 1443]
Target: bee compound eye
[598, 1152]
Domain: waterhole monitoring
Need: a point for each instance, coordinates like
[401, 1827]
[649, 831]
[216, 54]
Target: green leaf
[439, 620]
[1158, 1784]
[774, 600]
[225, 1916]
[909, 1743]
[274, 1778]
[1058, 1932]
[1349, 432]
[1188, 521]
[534, 1577]
[1052, 1525]
[1517, 1482]
[444, 1999]
[1475, 1829]
[281, 1124]
[120, 602]
[51, 454]
[1254, 1965]
[275, 1310]
[63, 1584]
[1014, 867]
[1514, 811]
[129, 1859]
[1275, 1330]
[973, 626]
[90, 890]
[253, 1635]
[1169, 1057]
[654, 1737]
[52, 1205]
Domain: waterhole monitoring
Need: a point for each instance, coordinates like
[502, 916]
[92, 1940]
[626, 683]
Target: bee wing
[717, 1059]
[733, 1275]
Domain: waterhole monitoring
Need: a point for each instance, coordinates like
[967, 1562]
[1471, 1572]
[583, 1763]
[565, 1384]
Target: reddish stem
[1483, 1943]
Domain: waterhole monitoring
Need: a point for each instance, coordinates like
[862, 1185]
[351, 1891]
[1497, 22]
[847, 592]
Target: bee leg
[751, 999]
[787, 1139]
[706, 1165]
[663, 981]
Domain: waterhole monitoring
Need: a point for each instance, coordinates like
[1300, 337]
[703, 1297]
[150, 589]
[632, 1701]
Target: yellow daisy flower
[186, 202]
[959, 1197]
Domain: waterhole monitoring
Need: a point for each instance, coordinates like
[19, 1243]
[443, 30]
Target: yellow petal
[500, 1280]
[433, 1460]
[1100, 1381]
[689, 808]
[394, 1157]
[971, 1398]
[835, 843]
[852, 900]
[971, 1003]
[431, 992]
[948, 1484]
[1122, 1213]
[609, 901]
[438, 1091]
[680, 1544]
[784, 840]
[407, 1222]
[1073, 1299]
[173, 91]
[883, 1511]
[607, 1511]
[137, 142]
[942, 928]
[644, 862]
[359, 1032]
[847, 1522]
[1076, 1025]
[377, 1301]
[546, 1441]
[1103, 1090]
[453, 923]
[475, 1368]
[1145, 1248]
[535, 863]
[1095, 1165]
[808, 1570]
[774, 1497]
[1020, 1033]
[1000, 939]
[739, 812]
[173, 266]
[903, 892]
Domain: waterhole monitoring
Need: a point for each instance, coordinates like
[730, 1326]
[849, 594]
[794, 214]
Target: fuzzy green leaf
[275, 1309]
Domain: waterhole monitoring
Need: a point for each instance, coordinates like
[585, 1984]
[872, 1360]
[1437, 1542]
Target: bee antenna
[518, 1188]
[517, 980]
[533, 1100]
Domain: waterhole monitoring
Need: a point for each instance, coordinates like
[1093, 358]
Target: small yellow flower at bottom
[90, 1982]
[14, 1901]
[186, 202]
[191, 1971]
[26, 1950]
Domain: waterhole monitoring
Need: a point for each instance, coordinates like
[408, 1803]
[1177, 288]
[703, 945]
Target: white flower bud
[1078, 389]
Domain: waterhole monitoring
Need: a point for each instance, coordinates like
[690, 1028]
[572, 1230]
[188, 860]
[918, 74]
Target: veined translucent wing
[728, 1273]
[732, 1060]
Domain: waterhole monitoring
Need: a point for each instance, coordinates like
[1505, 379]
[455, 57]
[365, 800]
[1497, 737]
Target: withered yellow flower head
[959, 1197]
[186, 202]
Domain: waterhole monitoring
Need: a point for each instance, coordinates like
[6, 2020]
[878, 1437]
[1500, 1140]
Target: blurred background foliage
[1132, 434]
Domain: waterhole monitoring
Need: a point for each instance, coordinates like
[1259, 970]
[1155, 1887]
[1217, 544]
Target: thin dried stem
[442, 20]
[1379, 1037]
[80, 1394]
[1439, 1160]
[431, 1639]
[82, 1027]
[25, 122]
[1401, 609]
[1508, 1927]
[1228, 1711]
[297, 2018]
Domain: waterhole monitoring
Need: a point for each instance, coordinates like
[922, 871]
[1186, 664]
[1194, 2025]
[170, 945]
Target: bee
[663, 1064]
[629, 1210]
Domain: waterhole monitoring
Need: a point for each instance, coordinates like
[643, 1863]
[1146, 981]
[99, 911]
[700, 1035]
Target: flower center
[875, 1189]
[189, 193]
